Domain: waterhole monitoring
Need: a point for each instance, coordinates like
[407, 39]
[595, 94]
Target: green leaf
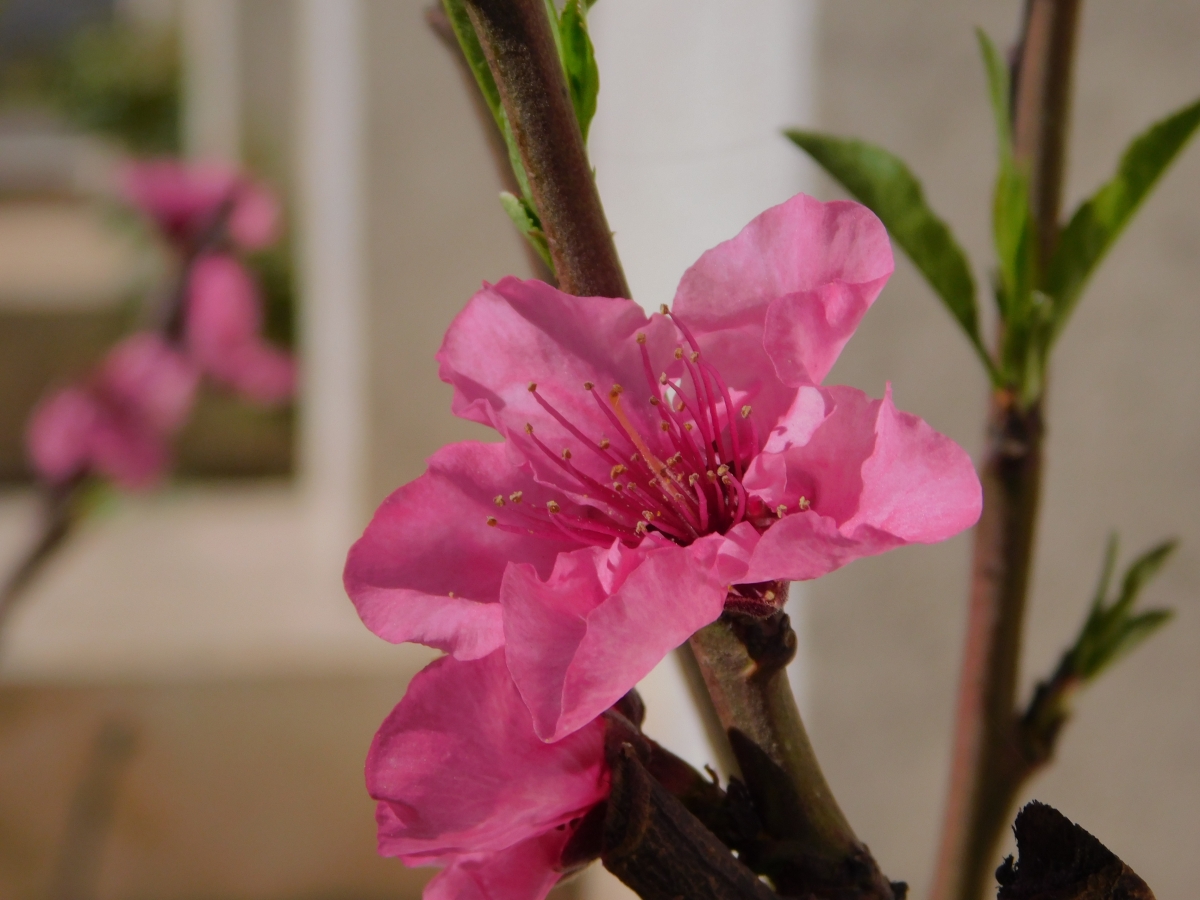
[1098, 221]
[579, 63]
[998, 91]
[1111, 629]
[456, 11]
[525, 218]
[882, 182]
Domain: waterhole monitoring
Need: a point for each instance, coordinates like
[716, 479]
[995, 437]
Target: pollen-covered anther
[515, 496]
[532, 386]
[605, 443]
[617, 486]
[616, 470]
[803, 504]
[687, 426]
[665, 426]
[647, 515]
[641, 337]
[746, 411]
[694, 355]
[528, 428]
[664, 309]
[587, 385]
[491, 520]
[693, 478]
[654, 401]
[678, 406]
[552, 506]
[640, 529]
[616, 391]
[710, 475]
[498, 499]
[726, 480]
[679, 353]
[566, 453]
[780, 510]
[722, 470]
[662, 379]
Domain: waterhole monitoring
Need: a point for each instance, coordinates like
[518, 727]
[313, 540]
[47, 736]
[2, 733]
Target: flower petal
[828, 261]
[518, 332]
[459, 770]
[428, 568]
[57, 437]
[151, 378]
[527, 871]
[579, 639]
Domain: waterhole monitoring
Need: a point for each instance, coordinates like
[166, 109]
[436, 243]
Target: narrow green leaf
[555, 25]
[579, 63]
[1143, 569]
[1106, 572]
[998, 91]
[527, 222]
[882, 182]
[1098, 221]
[456, 11]
[1133, 632]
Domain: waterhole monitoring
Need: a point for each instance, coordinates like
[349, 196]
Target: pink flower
[184, 200]
[222, 332]
[463, 782]
[117, 423]
[654, 468]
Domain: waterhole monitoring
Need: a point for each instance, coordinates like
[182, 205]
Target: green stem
[520, 50]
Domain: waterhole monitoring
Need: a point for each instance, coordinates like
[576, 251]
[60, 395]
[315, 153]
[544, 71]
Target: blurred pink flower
[463, 782]
[184, 200]
[222, 332]
[653, 468]
[118, 422]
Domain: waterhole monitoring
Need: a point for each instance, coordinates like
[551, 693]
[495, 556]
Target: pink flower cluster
[653, 471]
[119, 420]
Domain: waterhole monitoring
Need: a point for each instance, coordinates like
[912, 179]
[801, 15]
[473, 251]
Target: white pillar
[331, 264]
[212, 109]
[687, 149]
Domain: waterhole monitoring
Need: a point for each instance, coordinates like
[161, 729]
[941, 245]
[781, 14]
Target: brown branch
[439, 24]
[814, 849]
[520, 50]
[987, 770]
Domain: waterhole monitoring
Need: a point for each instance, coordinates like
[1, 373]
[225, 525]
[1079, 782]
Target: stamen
[587, 385]
[605, 443]
[528, 428]
[532, 386]
[802, 504]
[566, 454]
[552, 506]
[654, 401]
[746, 411]
[491, 520]
[498, 499]
[641, 337]
[515, 496]
[780, 510]
[640, 529]
[662, 379]
[664, 309]
[617, 470]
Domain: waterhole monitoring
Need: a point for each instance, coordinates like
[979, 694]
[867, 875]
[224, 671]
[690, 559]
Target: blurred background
[186, 697]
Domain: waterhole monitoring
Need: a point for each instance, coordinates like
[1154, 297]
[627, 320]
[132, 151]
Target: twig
[520, 50]
[983, 782]
[439, 24]
[744, 662]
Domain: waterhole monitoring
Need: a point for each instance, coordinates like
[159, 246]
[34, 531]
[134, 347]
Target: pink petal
[802, 246]
[579, 639]
[429, 540]
[224, 317]
[527, 871]
[254, 220]
[129, 454]
[459, 770]
[181, 198]
[146, 374]
[58, 433]
[517, 332]
[876, 478]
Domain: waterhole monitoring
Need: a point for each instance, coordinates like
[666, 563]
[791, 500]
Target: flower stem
[520, 50]
[988, 767]
[743, 659]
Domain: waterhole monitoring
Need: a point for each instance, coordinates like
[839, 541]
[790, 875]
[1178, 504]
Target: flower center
[683, 479]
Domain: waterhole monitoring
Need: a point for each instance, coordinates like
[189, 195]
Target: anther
[528, 428]
[491, 520]
[616, 391]
[634, 457]
[515, 496]
[726, 480]
[769, 595]
[552, 506]
[780, 510]
[662, 379]
[746, 411]
[640, 529]
[679, 406]
[803, 504]
[604, 443]
[617, 486]
[665, 426]
[687, 426]
[693, 478]
[654, 401]
[679, 353]
[498, 499]
[647, 515]
[587, 385]
[532, 386]
[641, 337]
[711, 475]
[664, 309]
[566, 454]
[450, 594]
[616, 470]
[722, 470]
[694, 355]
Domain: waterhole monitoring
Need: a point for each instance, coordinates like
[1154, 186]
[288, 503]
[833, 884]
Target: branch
[813, 849]
[520, 50]
[983, 782]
